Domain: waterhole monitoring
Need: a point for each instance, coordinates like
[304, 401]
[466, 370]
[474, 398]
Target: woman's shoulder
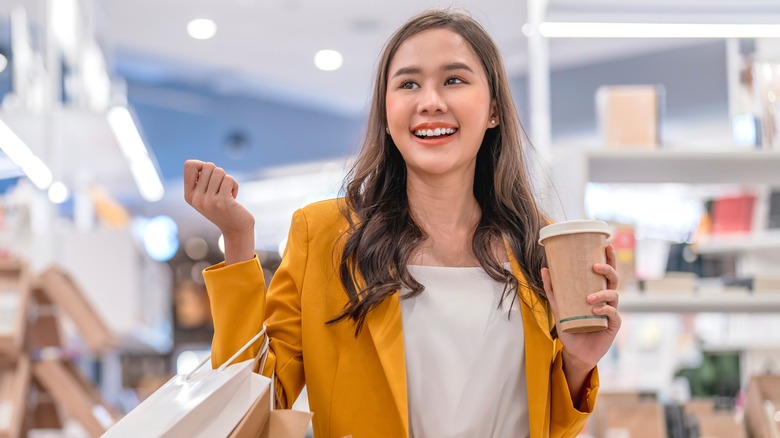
[327, 215]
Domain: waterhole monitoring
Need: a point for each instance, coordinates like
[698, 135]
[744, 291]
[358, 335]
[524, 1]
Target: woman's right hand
[213, 194]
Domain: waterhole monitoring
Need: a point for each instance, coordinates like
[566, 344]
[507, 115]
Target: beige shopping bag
[262, 422]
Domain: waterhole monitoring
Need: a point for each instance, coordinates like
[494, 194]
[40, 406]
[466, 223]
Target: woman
[418, 304]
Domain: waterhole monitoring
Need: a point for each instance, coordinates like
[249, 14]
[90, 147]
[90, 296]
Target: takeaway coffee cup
[572, 248]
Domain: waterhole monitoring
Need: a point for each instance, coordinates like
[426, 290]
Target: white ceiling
[267, 47]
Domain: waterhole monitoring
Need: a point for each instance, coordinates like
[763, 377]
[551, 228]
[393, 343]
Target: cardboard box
[77, 397]
[65, 294]
[625, 414]
[14, 381]
[14, 293]
[713, 422]
[630, 116]
[671, 283]
[762, 403]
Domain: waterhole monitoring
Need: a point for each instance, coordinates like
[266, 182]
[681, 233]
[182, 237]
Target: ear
[494, 119]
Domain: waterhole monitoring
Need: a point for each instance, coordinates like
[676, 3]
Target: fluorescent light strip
[657, 30]
[22, 156]
[134, 149]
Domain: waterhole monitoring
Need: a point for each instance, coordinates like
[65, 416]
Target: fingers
[615, 320]
[191, 170]
[548, 290]
[605, 303]
[609, 272]
[610, 252]
[229, 186]
[609, 297]
[215, 181]
[203, 180]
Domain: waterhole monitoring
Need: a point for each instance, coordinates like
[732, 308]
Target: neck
[445, 204]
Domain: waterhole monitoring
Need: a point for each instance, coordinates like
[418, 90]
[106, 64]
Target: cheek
[394, 110]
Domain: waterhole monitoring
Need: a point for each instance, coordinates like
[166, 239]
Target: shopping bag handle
[263, 350]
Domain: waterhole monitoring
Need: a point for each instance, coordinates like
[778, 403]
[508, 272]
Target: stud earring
[492, 121]
[387, 130]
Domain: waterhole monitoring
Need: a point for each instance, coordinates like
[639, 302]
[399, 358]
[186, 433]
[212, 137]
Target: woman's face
[438, 104]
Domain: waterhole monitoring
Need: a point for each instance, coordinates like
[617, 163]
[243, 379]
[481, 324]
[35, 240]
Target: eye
[454, 80]
[409, 85]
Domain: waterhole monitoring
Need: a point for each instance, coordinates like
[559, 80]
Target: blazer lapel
[384, 324]
[539, 349]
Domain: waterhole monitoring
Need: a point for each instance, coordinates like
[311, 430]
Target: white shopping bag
[207, 404]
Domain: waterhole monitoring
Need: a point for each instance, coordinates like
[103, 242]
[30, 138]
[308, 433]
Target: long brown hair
[382, 233]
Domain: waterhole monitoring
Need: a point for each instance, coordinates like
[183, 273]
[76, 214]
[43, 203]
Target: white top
[465, 361]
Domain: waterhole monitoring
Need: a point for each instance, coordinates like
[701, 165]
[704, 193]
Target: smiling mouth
[435, 133]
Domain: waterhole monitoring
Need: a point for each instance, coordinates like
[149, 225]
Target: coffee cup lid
[571, 227]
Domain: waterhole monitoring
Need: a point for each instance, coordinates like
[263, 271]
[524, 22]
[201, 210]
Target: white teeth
[434, 132]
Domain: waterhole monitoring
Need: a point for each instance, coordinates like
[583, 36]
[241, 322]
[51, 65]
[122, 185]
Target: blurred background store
[660, 117]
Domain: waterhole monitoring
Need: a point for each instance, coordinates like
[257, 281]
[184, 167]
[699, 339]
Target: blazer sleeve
[566, 419]
[240, 305]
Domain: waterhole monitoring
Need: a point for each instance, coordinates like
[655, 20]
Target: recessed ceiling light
[58, 192]
[328, 60]
[202, 28]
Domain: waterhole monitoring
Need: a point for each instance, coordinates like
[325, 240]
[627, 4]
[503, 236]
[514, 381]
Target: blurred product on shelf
[767, 83]
[762, 406]
[107, 209]
[191, 306]
[624, 243]
[766, 284]
[630, 115]
[671, 283]
[716, 375]
[733, 214]
[774, 210]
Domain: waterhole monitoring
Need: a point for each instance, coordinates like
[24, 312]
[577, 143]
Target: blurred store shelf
[685, 302]
[716, 166]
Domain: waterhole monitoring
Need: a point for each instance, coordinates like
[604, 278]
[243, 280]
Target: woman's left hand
[586, 349]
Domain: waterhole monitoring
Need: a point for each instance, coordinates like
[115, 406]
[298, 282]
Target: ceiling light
[3, 62]
[141, 166]
[65, 24]
[202, 28]
[22, 156]
[58, 192]
[657, 30]
[328, 60]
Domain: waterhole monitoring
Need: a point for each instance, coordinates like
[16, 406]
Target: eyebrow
[448, 67]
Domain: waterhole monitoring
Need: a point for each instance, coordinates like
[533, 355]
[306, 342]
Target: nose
[431, 101]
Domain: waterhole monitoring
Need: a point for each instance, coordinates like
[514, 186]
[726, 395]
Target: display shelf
[684, 166]
[685, 302]
[739, 243]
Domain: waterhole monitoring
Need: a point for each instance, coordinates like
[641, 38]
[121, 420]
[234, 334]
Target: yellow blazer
[357, 386]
